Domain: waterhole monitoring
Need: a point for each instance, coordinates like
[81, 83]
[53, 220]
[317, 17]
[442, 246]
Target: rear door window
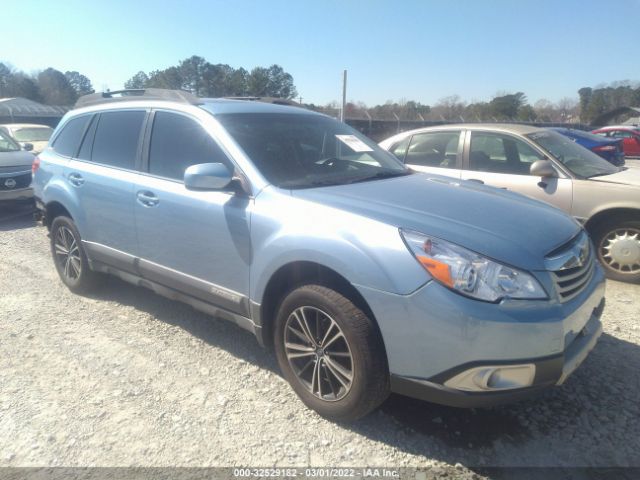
[117, 138]
[434, 149]
[68, 140]
[177, 142]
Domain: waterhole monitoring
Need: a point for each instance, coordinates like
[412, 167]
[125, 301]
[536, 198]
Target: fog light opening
[493, 378]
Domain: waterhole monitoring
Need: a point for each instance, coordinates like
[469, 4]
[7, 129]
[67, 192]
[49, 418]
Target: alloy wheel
[318, 353]
[67, 253]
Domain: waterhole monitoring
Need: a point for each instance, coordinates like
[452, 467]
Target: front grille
[574, 267]
[21, 181]
[571, 282]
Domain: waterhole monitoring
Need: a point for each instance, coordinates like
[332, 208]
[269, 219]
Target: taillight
[35, 165]
[604, 148]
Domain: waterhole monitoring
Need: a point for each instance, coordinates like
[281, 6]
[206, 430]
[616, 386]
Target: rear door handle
[476, 180]
[75, 179]
[147, 198]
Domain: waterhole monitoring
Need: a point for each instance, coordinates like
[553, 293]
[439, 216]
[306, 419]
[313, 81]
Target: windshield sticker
[354, 143]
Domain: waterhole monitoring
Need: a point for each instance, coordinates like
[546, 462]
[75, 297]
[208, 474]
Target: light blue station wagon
[364, 276]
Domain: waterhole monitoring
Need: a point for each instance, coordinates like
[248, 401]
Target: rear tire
[331, 353]
[69, 256]
[618, 247]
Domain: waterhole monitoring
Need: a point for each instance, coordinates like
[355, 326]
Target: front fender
[366, 252]
[631, 207]
[592, 198]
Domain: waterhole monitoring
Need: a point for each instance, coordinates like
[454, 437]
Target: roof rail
[274, 100]
[133, 94]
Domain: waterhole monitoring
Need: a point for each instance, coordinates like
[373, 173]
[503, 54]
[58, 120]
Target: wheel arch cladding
[298, 273]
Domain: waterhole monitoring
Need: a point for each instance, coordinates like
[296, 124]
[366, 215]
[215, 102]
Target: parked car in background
[608, 148]
[15, 171]
[630, 137]
[364, 276]
[545, 165]
[29, 133]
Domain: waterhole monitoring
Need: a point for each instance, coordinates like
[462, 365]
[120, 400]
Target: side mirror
[27, 146]
[543, 168]
[207, 176]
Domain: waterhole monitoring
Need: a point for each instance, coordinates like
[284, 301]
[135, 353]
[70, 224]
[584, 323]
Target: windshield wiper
[381, 175]
[311, 184]
[342, 180]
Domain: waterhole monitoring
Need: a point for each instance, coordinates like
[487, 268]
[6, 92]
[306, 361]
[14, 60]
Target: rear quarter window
[68, 140]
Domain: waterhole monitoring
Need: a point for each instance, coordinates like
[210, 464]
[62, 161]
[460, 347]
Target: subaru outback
[364, 276]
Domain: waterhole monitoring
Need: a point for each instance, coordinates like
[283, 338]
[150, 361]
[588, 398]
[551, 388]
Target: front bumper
[549, 372]
[20, 194]
[435, 335]
[16, 185]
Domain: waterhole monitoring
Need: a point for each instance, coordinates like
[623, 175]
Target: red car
[630, 138]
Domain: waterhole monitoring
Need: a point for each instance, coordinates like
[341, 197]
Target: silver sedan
[15, 172]
[544, 165]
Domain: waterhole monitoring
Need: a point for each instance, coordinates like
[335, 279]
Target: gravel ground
[128, 378]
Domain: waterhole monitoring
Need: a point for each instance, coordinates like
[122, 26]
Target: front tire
[69, 256]
[618, 245]
[331, 353]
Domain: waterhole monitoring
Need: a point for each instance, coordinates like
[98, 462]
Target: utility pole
[300, 99]
[344, 95]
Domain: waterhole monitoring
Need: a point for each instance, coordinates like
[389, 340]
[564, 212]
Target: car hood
[16, 159]
[630, 176]
[502, 225]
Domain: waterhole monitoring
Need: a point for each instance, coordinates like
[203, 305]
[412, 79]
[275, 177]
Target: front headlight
[469, 273]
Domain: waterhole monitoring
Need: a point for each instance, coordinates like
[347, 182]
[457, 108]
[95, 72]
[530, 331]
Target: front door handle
[147, 198]
[476, 180]
[75, 179]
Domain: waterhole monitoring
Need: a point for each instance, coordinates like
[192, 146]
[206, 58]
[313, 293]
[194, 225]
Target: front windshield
[300, 150]
[582, 162]
[7, 144]
[33, 134]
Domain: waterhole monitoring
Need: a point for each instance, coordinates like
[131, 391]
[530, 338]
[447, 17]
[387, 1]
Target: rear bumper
[550, 371]
[618, 160]
[41, 210]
